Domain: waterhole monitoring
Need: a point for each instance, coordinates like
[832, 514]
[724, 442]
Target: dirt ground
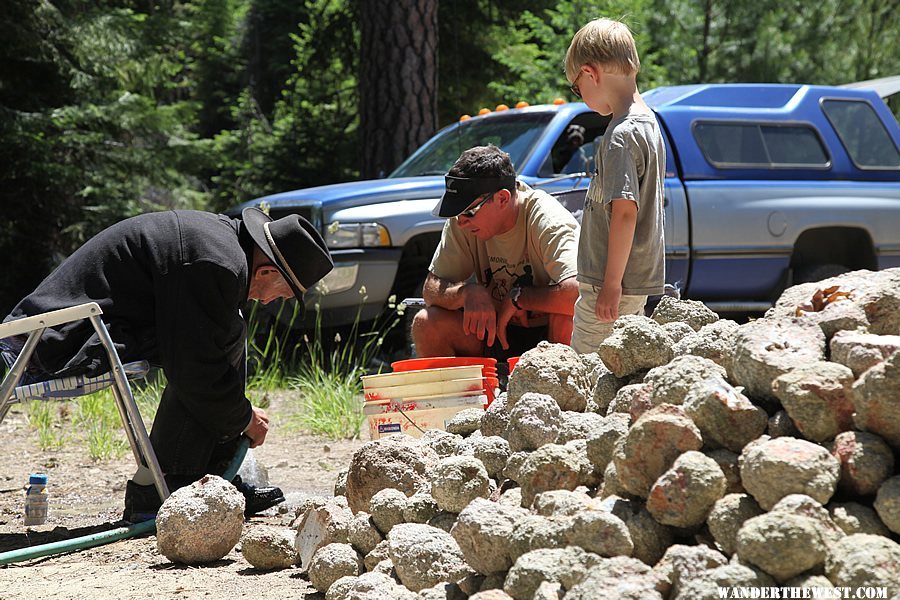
[87, 496]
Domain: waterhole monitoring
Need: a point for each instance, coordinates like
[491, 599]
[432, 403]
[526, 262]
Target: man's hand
[507, 312]
[607, 308]
[479, 314]
[258, 428]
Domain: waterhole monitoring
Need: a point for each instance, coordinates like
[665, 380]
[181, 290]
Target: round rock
[865, 561]
[555, 370]
[684, 495]
[781, 544]
[855, 518]
[671, 382]
[362, 533]
[650, 538]
[493, 451]
[424, 556]
[728, 516]
[332, 562]
[714, 341]
[482, 531]
[725, 417]
[602, 441]
[818, 399]
[774, 468]
[866, 461]
[268, 548]
[457, 480]
[386, 508]
[552, 467]
[691, 312]
[887, 503]
[397, 461]
[636, 343]
[876, 401]
[533, 422]
[465, 422]
[200, 523]
[496, 417]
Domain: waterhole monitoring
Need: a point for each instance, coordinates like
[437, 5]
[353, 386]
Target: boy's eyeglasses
[574, 87]
[471, 212]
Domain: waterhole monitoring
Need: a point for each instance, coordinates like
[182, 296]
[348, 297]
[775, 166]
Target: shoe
[258, 498]
[142, 502]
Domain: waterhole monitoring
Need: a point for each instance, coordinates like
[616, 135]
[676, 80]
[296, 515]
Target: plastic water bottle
[37, 500]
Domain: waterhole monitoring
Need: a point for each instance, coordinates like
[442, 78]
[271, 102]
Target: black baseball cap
[461, 192]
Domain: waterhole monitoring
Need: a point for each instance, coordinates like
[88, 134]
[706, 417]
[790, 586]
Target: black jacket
[170, 285]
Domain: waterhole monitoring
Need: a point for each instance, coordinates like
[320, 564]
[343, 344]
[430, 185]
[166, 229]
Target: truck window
[515, 133]
[575, 149]
[862, 133]
[755, 145]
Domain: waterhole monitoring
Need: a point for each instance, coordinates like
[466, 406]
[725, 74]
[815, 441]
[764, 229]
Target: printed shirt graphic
[538, 252]
[630, 164]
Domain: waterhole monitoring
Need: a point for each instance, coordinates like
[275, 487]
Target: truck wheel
[811, 273]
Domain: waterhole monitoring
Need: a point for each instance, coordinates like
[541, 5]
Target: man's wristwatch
[514, 294]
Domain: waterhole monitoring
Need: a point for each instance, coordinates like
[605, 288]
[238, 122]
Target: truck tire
[812, 273]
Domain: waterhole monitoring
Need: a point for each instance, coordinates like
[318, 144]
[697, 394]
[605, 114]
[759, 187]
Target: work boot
[258, 498]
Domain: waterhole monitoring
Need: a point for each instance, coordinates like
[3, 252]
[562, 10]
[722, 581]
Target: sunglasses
[574, 86]
[471, 212]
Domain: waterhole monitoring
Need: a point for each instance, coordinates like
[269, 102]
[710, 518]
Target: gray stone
[513, 468]
[818, 399]
[483, 530]
[457, 480]
[632, 399]
[533, 422]
[201, 522]
[552, 467]
[554, 565]
[491, 594]
[496, 417]
[604, 390]
[377, 586]
[725, 417]
[800, 504]
[766, 349]
[781, 544]
[727, 516]
[340, 483]
[619, 577]
[378, 554]
[677, 331]
[386, 508]
[465, 422]
[714, 341]
[691, 312]
[855, 518]
[887, 503]
[860, 351]
[555, 370]
[319, 527]
[533, 532]
[652, 445]
[774, 468]
[866, 462]
[865, 561]
[602, 441]
[876, 401]
[268, 548]
[706, 585]
[600, 532]
[671, 382]
[681, 564]
[424, 556]
[443, 442]
[420, 507]
[578, 426]
[636, 343]
[340, 589]
[594, 365]
[332, 562]
[684, 495]
[650, 538]
[511, 497]
[560, 503]
[396, 461]
[728, 462]
[493, 451]
[362, 533]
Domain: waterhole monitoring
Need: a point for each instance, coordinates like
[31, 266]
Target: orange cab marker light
[465, 118]
[521, 104]
[559, 101]
[501, 107]
[484, 111]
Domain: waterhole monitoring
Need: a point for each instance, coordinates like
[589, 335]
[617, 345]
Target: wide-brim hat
[293, 245]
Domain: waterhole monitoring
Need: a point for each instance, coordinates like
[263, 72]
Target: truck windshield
[514, 132]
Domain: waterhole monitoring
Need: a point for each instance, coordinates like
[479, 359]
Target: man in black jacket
[171, 286]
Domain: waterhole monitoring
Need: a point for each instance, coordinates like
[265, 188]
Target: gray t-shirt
[631, 162]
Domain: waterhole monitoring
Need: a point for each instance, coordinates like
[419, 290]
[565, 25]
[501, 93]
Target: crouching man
[520, 245]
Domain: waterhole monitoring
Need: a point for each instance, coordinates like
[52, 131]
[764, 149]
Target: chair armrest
[50, 319]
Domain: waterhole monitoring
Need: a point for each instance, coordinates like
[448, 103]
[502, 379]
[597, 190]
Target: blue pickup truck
[766, 185]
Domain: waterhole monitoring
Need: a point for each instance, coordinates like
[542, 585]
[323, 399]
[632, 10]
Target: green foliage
[49, 421]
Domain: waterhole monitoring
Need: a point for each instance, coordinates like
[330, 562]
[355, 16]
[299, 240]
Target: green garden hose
[113, 535]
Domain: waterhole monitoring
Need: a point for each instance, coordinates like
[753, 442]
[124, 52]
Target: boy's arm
[479, 314]
[621, 236]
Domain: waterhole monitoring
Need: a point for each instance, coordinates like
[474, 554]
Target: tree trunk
[397, 80]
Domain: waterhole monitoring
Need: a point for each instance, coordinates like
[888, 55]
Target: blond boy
[621, 250]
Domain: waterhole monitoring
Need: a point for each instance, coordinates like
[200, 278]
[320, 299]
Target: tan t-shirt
[539, 251]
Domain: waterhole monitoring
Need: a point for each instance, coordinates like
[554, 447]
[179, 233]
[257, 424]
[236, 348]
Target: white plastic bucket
[416, 416]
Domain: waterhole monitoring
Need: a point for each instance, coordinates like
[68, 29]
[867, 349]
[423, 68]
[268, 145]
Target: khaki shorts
[588, 332]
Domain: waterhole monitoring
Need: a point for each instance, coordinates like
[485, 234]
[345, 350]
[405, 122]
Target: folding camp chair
[79, 386]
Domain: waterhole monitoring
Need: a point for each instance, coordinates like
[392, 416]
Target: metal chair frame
[128, 411]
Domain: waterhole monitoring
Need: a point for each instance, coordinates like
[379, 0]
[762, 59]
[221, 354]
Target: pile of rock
[688, 454]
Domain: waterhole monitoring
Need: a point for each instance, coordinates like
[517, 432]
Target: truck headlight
[356, 235]
[340, 279]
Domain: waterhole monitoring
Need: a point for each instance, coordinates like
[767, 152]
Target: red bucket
[441, 362]
[511, 362]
